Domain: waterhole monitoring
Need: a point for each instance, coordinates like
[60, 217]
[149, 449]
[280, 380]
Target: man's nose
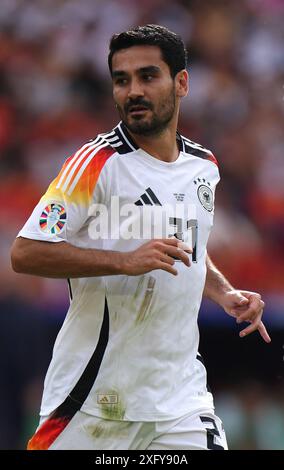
[135, 90]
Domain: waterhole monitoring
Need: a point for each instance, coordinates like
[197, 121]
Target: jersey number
[192, 225]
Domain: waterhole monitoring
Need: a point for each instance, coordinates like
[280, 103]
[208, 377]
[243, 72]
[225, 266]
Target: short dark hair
[171, 45]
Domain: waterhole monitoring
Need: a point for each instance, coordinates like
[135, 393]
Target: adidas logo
[148, 198]
[103, 400]
[107, 399]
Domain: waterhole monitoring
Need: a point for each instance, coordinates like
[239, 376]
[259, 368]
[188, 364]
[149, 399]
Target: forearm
[216, 284]
[62, 260]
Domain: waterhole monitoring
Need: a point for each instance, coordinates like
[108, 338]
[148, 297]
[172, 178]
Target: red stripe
[213, 159]
[79, 166]
[73, 161]
[47, 433]
[93, 169]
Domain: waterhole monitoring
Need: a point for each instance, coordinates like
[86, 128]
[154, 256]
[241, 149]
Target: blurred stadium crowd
[55, 94]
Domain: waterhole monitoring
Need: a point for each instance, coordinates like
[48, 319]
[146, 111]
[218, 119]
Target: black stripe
[145, 199]
[125, 147]
[70, 289]
[197, 152]
[194, 144]
[200, 358]
[128, 136]
[121, 149]
[87, 379]
[180, 141]
[76, 398]
[153, 196]
[138, 203]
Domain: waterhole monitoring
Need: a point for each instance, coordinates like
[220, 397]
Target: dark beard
[157, 124]
[154, 127]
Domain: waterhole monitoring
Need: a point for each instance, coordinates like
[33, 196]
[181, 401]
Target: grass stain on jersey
[139, 287]
[98, 431]
[110, 429]
[113, 411]
[110, 408]
[146, 301]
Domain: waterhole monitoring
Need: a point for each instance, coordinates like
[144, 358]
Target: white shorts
[199, 431]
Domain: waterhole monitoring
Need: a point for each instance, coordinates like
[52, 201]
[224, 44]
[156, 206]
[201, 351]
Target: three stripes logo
[148, 198]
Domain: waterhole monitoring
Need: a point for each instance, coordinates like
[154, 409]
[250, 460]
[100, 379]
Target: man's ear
[182, 86]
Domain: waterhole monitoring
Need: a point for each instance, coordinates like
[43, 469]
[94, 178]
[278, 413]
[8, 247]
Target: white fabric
[150, 365]
[86, 432]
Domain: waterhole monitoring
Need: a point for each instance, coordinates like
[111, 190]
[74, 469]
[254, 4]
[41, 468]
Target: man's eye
[147, 77]
[121, 81]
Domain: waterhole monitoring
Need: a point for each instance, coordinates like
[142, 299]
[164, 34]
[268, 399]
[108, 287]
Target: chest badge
[205, 194]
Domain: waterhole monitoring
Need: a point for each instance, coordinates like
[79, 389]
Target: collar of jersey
[133, 143]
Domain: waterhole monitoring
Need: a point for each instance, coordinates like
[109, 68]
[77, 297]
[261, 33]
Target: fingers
[173, 241]
[255, 307]
[167, 267]
[170, 247]
[167, 250]
[252, 327]
[256, 326]
[157, 254]
[263, 333]
[185, 247]
[177, 253]
[167, 259]
[252, 313]
[169, 241]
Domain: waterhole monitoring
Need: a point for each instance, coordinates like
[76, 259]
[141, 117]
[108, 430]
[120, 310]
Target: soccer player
[125, 371]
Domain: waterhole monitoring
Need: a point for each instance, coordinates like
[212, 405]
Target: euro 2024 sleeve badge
[53, 219]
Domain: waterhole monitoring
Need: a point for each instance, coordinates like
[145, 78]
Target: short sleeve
[63, 209]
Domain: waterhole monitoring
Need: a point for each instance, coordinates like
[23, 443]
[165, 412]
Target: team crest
[205, 196]
[53, 219]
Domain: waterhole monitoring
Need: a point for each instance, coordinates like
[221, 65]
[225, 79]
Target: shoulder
[81, 171]
[88, 160]
[198, 150]
[118, 140]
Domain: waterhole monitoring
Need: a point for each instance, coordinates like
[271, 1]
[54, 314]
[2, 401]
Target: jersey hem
[36, 236]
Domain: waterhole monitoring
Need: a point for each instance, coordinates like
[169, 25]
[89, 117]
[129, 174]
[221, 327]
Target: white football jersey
[128, 348]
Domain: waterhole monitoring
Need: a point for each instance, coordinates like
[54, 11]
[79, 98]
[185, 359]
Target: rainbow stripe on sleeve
[79, 174]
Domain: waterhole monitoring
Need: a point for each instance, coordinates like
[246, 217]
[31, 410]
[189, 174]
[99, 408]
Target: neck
[162, 146]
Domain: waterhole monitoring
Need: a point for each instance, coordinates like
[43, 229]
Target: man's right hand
[155, 254]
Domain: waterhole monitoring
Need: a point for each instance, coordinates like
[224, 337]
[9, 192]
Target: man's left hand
[246, 306]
